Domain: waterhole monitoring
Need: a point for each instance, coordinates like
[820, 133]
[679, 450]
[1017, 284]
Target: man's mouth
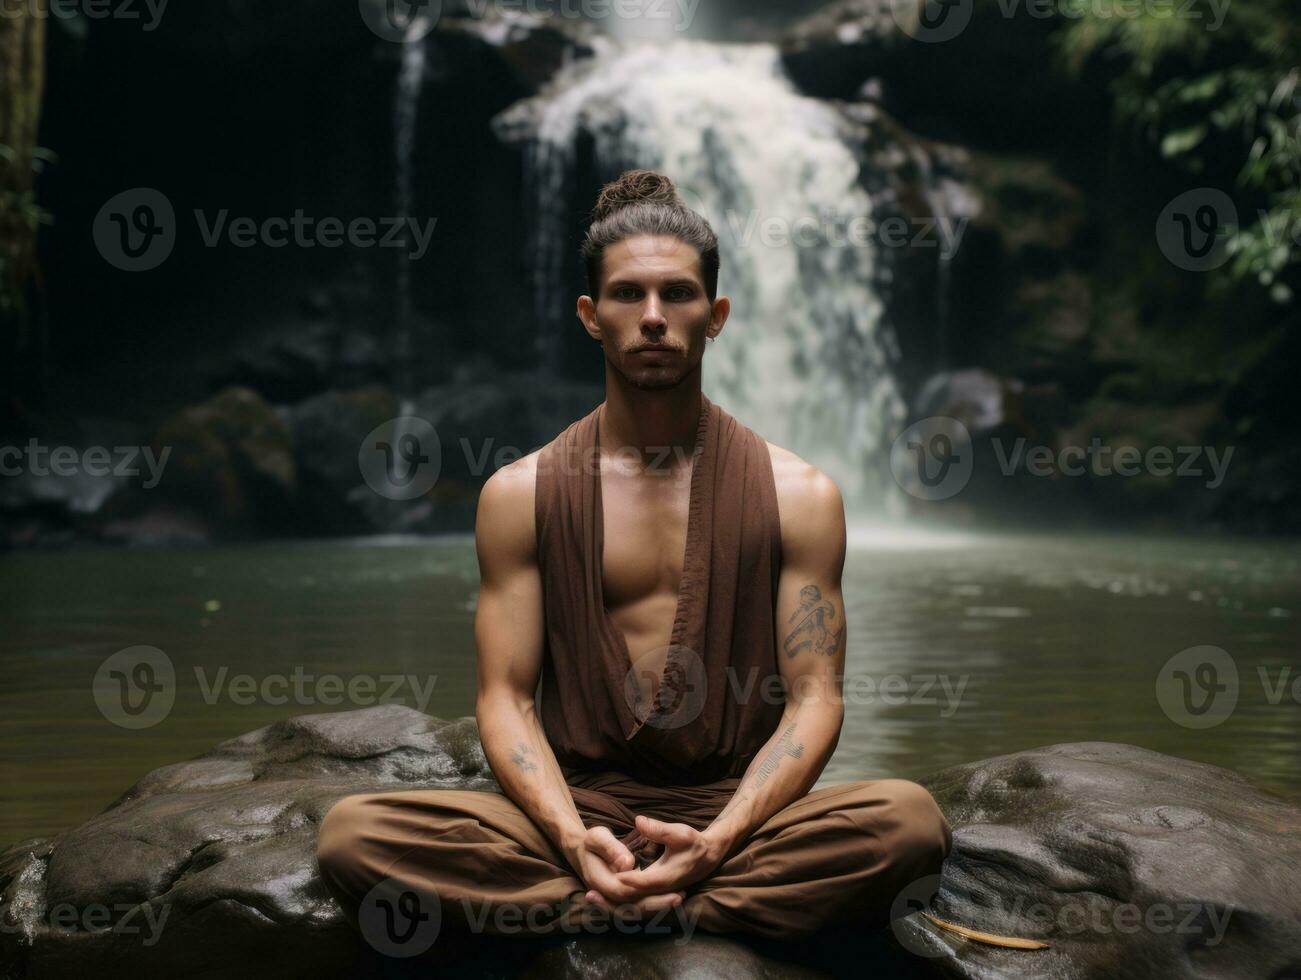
[654, 348]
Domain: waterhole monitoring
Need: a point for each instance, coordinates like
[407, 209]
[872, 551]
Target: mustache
[663, 347]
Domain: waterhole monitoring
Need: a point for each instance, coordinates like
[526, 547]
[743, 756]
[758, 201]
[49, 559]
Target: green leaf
[1182, 140]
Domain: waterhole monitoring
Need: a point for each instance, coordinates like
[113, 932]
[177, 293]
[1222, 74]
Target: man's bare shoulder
[809, 502]
[505, 520]
[514, 480]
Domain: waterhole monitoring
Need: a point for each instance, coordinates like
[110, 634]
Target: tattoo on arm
[814, 629]
[521, 758]
[786, 746]
[739, 797]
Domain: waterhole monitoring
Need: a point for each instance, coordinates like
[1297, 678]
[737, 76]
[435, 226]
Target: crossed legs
[837, 855]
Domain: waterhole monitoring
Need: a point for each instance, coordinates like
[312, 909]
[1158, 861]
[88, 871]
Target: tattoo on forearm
[739, 797]
[786, 746]
[521, 758]
[815, 627]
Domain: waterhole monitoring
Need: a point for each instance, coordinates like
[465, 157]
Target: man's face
[652, 315]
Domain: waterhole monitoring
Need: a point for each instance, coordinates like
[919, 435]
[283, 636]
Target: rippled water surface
[961, 647]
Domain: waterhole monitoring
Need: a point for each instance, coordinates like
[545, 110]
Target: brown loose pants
[840, 854]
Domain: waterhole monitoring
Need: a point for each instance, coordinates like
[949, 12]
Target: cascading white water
[406, 106]
[804, 359]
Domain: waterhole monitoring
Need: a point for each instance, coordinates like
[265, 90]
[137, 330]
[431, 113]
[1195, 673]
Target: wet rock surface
[1127, 862]
[207, 868]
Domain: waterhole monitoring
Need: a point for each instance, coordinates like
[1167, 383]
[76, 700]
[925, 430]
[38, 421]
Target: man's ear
[722, 307]
[586, 310]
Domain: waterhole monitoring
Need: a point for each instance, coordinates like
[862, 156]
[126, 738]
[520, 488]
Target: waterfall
[406, 106]
[804, 359]
[953, 206]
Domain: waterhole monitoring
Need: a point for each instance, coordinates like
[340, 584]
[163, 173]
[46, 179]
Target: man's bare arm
[811, 638]
[508, 631]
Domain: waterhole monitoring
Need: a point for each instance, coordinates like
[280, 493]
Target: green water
[960, 647]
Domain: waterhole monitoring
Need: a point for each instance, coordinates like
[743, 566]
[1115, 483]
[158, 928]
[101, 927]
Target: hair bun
[634, 187]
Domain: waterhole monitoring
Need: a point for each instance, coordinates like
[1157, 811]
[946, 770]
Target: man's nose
[652, 314]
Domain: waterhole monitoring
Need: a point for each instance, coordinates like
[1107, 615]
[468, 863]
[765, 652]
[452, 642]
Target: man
[673, 581]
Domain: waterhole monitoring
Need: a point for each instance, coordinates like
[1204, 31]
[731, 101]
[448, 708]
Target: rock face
[1128, 862]
[223, 847]
[45, 504]
[971, 58]
[233, 458]
[238, 466]
[206, 868]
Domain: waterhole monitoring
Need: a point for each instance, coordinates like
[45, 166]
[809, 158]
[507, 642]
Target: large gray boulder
[213, 859]
[206, 868]
[1127, 862]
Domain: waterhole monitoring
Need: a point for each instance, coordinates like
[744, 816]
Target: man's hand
[600, 859]
[689, 856]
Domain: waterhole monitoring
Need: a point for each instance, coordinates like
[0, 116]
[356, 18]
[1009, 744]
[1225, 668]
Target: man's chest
[645, 521]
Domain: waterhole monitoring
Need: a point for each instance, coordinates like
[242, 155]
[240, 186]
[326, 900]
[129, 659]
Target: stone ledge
[208, 869]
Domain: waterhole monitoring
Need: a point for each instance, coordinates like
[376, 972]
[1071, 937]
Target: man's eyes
[677, 292]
